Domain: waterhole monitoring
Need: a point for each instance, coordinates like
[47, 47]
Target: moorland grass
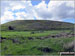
[30, 47]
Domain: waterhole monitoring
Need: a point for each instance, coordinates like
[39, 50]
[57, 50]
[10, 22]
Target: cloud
[23, 16]
[62, 9]
[8, 16]
[7, 11]
[42, 11]
[54, 10]
[18, 7]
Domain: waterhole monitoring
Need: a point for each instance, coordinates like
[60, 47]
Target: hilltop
[37, 25]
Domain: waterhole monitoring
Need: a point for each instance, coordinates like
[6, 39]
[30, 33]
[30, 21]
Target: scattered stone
[30, 38]
[15, 41]
[2, 39]
[42, 38]
[53, 36]
[45, 49]
[32, 32]
[58, 35]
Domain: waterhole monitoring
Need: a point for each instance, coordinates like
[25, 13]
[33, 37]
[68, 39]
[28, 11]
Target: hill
[37, 25]
[60, 39]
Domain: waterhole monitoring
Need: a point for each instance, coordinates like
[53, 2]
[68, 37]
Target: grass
[30, 47]
[27, 33]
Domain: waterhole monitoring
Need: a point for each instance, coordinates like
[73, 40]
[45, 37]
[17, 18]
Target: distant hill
[37, 25]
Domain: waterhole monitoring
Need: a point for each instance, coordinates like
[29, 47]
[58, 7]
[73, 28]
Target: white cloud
[8, 16]
[18, 7]
[7, 8]
[55, 10]
[20, 15]
[23, 16]
[42, 11]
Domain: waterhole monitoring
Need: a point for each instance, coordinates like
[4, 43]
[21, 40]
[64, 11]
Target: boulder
[30, 38]
[45, 49]
[15, 41]
[32, 32]
[2, 39]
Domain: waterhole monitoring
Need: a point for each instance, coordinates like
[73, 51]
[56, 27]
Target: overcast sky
[37, 10]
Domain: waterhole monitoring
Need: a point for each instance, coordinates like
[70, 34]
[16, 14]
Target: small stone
[30, 38]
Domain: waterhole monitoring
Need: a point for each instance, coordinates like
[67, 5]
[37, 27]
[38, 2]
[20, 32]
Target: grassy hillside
[48, 38]
[37, 25]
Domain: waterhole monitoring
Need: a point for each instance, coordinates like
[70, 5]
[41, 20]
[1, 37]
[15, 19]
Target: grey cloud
[64, 11]
[44, 13]
[60, 12]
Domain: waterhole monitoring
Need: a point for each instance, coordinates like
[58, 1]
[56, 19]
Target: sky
[37, 10]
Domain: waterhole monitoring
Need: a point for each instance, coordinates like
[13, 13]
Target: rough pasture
[35, 42]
